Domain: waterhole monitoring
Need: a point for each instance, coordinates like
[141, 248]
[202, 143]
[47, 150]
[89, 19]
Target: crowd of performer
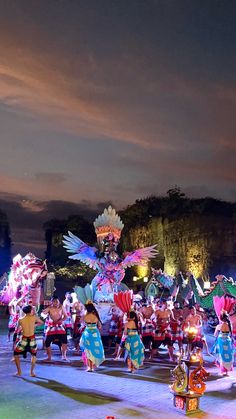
[135, 335]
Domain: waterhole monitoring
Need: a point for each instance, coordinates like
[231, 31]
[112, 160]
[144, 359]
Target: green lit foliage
[70, 271]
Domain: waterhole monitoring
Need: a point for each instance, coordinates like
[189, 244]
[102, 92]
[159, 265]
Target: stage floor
[64, 391]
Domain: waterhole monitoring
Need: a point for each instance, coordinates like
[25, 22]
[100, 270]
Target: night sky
[111, 101]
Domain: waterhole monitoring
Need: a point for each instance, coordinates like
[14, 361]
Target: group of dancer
[142, 330]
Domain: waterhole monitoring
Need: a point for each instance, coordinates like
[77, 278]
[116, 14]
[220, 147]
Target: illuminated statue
[161, 281]
[25, 277]
[220, 287]
[105, 259]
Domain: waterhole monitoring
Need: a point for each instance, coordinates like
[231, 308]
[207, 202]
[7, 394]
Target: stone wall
[204, 245]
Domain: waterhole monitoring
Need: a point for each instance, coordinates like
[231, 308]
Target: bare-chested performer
[162, 333]
[176, 324]
[68, 322]
[27, 342]
[55, 330]
[79, 325]
[146, 313]
[193, 336]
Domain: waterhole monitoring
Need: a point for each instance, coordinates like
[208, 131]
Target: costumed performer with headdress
[133, 344]
[91, 342]
[224, 347]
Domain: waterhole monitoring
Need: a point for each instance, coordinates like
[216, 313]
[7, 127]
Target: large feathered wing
[140, 256]
[81, 250]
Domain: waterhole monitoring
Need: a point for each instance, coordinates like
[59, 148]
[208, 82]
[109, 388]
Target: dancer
[193, 335]
[146, 313]
[224, 344]
[176, 325]
[27, 342]
[79, 326]
[133, 344]
[120, 338]
[113, 328]
[68, 322]
[162, 332]
[91, 342]
[55, 330]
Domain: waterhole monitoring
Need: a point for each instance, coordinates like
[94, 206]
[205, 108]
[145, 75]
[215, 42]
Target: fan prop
[84, 294]
[124, 300]
[223, 303]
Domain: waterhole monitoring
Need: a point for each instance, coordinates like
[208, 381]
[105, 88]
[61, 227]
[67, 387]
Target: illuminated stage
[64, 391]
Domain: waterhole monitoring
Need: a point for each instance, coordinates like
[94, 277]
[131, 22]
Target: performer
[120, 338]
[27, 342]
[162, 332]
[55, 330]
[133, 344]
[113, 328]
[224, 344]
[91, 342]
[146, 313]
[193, 335]
[68, 323]
[79, 325]
[176, 325]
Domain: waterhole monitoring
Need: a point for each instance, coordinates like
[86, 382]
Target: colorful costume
[162, 335]
[26, 344]
[12, 323]
[147, 332]
[68, 321]
[55, 331]
[134, 348]
[113, 329]
[224, 351]
[91, 345]
[176, 331]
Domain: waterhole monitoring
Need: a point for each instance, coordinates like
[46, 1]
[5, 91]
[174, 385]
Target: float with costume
[105, 259]
[27, 274]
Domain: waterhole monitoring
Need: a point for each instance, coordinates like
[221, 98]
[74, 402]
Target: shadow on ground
[162, 376]
[85, 397]
[226, 394]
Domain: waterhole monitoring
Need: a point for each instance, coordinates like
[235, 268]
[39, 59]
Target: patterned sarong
[68, 324]
[134, 348]
[26, 344]
[55, 328]
[176, 331]
[225, 351]
[91, 345]
[113, 329]
[147, 328]
[162, 332]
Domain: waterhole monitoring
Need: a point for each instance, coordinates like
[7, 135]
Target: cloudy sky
[113, 100]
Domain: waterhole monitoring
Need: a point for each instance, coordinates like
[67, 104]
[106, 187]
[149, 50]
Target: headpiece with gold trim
[108, 223]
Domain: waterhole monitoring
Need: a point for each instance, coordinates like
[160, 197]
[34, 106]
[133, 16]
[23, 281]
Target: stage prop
[188, 382]
[26, 277]
[105, 258]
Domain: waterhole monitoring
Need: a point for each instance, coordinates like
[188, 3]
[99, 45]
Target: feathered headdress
[108, 222]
